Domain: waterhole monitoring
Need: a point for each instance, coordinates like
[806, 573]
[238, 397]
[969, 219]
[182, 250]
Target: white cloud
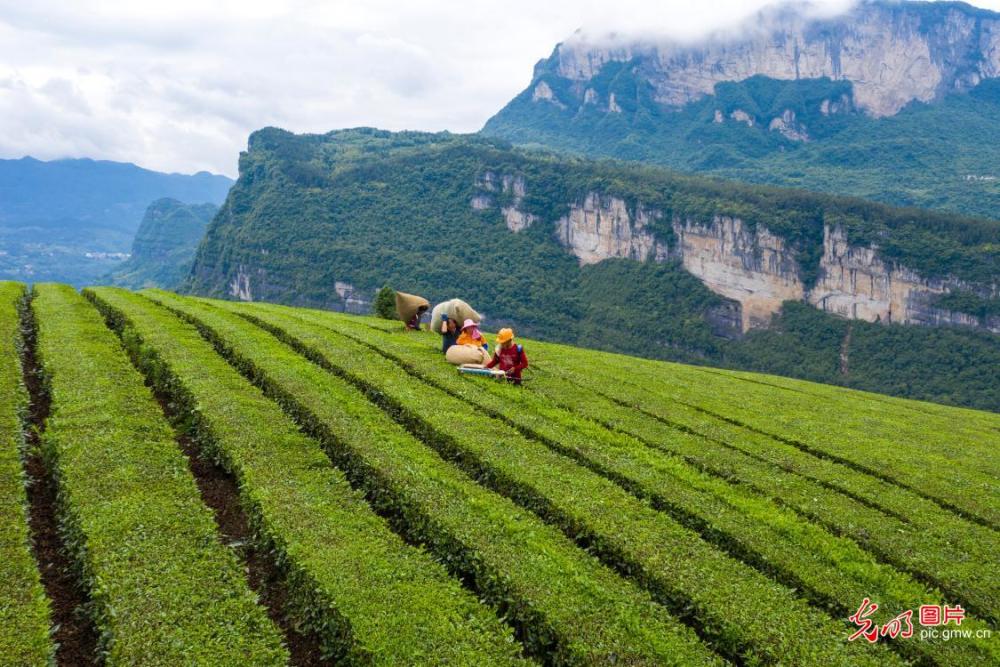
[178, 86]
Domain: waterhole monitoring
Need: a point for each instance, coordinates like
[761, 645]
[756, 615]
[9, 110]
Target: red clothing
[511, 359]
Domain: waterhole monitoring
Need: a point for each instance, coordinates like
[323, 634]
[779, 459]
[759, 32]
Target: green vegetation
[367, 595]
[370, 208]
[165, 244]
[610, 510]
[833, 434]
[384, 305]
[939, 548]
[828, 570]
[943, 364]
[516, 561]
[679, 568]
[941, 155]
[24, 611]
[161, 582]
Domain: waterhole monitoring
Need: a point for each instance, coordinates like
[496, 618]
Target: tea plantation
[253, 484]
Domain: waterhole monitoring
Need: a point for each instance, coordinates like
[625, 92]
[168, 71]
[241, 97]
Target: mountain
[165, 244]
[892, 101]
[74, 220]
[619, 256]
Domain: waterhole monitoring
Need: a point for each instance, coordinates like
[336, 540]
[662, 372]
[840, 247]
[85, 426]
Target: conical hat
[407, 305]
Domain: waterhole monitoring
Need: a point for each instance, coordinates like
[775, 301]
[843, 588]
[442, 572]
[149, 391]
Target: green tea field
[189, 481]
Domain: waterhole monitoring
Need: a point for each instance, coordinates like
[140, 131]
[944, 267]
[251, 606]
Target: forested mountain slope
[165, 244]
[613, 255]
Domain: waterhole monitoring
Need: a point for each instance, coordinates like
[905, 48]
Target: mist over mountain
[891, 101]
[75, 220]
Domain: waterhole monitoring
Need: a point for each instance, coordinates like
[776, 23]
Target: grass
[24, 609]
[163, 588]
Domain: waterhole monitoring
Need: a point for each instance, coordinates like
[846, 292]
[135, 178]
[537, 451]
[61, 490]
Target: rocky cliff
[753, 266]
[892, 53]
[600, 228]
[759, 270]
[891, 101]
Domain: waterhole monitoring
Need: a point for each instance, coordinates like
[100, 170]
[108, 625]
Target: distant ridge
[74, 220]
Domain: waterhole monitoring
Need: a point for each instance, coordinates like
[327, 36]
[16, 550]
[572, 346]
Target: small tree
[385, 303]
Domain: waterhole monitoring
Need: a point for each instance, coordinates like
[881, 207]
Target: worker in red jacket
[509, 356]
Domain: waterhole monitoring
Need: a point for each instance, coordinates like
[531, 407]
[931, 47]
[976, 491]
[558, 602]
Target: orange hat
[505, 335]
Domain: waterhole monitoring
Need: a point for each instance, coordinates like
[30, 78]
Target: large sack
[462, 311]
[456, 309]
[466, 354]
[407, 305]
[436, 314]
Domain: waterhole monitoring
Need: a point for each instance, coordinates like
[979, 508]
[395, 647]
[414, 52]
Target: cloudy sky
[178, 86]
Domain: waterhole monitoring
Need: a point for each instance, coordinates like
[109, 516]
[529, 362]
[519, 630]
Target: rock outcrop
[753, 267]
[893, 53]
[509, 188]
[249, 284]
[855, 282]
[789, 127]
[239, 286]
[599, 228]
[759, 270]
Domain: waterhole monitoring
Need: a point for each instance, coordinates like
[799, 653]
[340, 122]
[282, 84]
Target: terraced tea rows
[830, 570]
[611, 511]
[160, 581]
[888, 520]
[24, 612]
[353, 582]
[673, 563]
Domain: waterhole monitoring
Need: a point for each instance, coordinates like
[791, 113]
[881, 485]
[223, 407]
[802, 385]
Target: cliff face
[759, 270]
[892, 53]
[754, 268]
[855, 282]
[891, 101]
[599, 228]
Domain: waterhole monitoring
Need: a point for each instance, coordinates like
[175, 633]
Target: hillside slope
[893, 101]
[165, 244]
[616, 256]
[74, 220]
[610, 509]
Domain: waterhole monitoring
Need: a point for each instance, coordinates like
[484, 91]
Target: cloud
[178, 86]
[636, 19]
